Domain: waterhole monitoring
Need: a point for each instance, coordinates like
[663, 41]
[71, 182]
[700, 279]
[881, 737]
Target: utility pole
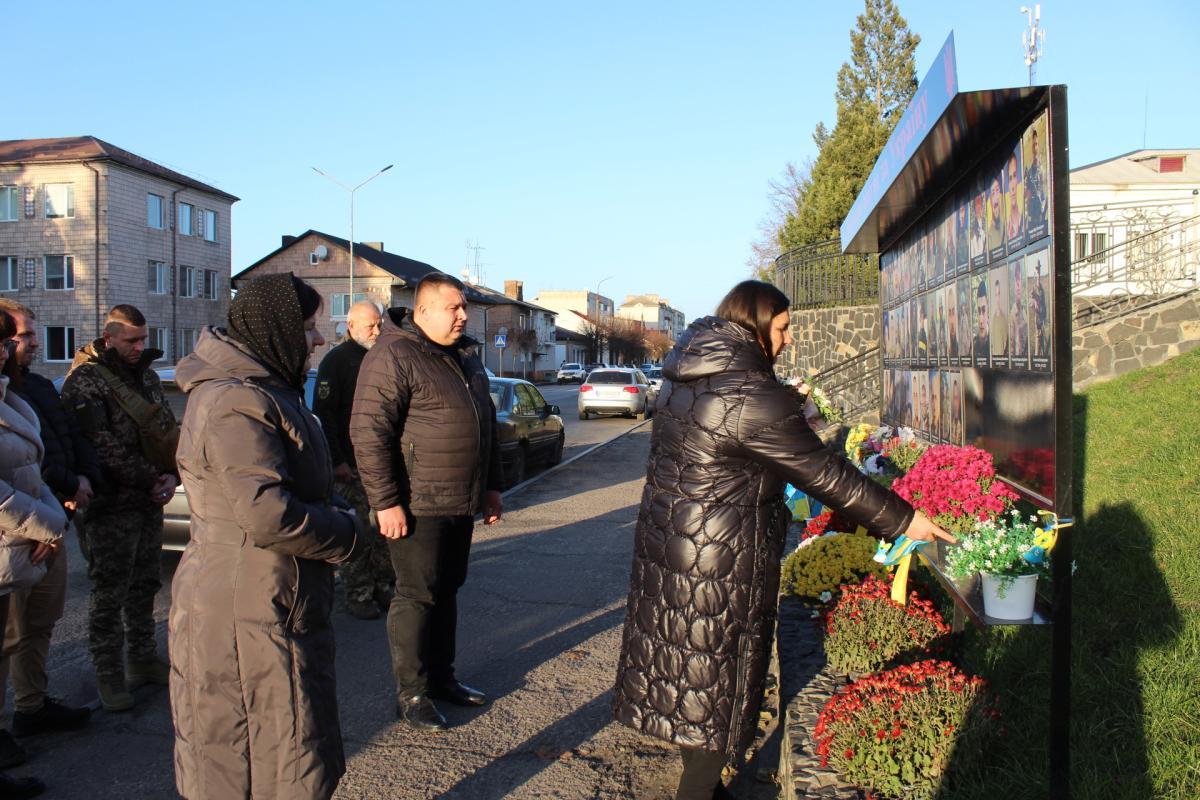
[1033, 38]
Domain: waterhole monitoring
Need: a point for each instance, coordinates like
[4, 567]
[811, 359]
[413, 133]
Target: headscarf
[266, 317]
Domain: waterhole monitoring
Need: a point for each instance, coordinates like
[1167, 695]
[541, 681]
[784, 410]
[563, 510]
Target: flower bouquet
[1010, 554]
[819, 410]
[956, 487]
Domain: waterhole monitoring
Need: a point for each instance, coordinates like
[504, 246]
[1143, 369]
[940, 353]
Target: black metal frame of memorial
[947, 150]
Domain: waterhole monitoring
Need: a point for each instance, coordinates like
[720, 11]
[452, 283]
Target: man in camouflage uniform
[121, 531]
[369, 578]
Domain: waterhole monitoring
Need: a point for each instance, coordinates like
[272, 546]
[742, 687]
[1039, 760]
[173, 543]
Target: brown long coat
[252, 677]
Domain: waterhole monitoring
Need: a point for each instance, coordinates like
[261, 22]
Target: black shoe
[458, 693]
[52, 716]
[11, 753]
[19, 788]
[420, 712]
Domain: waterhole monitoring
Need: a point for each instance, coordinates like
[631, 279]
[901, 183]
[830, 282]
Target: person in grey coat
[253, 693]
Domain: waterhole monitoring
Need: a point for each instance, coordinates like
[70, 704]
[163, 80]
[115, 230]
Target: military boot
[363, 609]
[139, 673]
[114, 695]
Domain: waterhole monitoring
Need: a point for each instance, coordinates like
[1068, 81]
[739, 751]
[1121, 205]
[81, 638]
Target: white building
[1135, 223]
[654, 312]
[578, 310]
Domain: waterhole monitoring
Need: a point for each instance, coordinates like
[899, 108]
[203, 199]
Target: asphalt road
[540, 631]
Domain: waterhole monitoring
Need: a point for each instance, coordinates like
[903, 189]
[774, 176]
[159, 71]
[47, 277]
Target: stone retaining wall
[1139, 339]
[825, 337]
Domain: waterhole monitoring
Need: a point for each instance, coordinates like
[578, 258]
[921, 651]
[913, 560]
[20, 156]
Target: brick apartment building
[85, 225]
[389, 279]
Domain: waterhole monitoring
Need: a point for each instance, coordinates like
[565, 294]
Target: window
[60, 200]
[187, 341]
[340, 303]
[154, 211]
[10, 208]
[159, 339]
[187, 281]
[9, 276]
[60, 343]
[208, 285]
[158, 280]
[59, 272]
[1099, 245]
[210, 225]
[185, 220]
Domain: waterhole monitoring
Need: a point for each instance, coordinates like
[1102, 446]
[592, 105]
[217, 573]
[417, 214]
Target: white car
[571, 373]
[615, 390]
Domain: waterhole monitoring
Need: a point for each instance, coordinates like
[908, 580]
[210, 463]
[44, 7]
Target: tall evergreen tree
[873, 89]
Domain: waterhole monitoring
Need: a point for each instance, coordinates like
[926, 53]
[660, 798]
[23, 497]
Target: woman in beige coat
[253, 694]
[32, 521]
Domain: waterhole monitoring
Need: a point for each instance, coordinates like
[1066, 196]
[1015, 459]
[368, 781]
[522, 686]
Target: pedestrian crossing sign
[501, 340]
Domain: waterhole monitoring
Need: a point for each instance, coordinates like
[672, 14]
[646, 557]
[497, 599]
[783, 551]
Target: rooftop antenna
[1033, 38]
[477, 264]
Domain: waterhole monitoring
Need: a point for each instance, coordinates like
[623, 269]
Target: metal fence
[819, 276]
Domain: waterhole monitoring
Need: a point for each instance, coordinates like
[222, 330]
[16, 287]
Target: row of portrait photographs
[1004, 207]
[999, 317]
[928, 401]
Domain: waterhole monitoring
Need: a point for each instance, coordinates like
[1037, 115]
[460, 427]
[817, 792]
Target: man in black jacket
[367, 579]
[71, 469]
[424, 434]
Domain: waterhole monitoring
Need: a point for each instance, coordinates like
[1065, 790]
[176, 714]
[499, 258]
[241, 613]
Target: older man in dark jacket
[424, 434]
[71, 469]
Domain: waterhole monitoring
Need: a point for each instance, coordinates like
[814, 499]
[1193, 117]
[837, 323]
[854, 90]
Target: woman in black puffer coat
[710, 533]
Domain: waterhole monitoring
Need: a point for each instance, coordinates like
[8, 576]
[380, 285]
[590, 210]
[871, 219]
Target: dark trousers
[701, 773]
[431, 565]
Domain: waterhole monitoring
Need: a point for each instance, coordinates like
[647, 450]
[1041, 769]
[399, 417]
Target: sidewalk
[541, 617]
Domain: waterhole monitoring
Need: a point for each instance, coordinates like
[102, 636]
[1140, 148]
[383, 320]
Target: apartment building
[654, 312]
[85, 225]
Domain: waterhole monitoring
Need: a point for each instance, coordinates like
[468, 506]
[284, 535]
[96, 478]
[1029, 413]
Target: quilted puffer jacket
[710, 534]
[423, 427]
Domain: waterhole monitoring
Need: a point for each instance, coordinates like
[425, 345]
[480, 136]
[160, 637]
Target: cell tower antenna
[1033, 38]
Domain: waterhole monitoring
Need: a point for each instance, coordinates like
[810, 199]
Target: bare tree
[657, 344]
[526, 342]
[784, 196]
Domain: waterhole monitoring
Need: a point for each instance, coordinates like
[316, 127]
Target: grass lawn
[1135, 716]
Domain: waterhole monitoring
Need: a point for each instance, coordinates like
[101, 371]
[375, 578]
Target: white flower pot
[1017, 602]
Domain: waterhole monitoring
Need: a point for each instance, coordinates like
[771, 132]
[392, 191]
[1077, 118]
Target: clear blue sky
[574, 141]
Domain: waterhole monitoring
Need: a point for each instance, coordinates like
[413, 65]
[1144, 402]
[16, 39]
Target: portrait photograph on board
[965, 328]
[1038, 270]
[1014, 217]
[1037, 184]
[995, 215]
[980, 345]
[978, 221]
[1018, 318]
[962, 233]
[999, 311]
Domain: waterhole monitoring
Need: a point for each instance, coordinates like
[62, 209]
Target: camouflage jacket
[128, 475]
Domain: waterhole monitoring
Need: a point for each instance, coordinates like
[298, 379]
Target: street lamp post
[350, 299]
[600, 317]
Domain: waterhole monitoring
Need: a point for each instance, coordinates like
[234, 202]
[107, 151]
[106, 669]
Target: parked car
[614, 391]
[654, 376]
[571, 372]
[177, 517]
[530, 429]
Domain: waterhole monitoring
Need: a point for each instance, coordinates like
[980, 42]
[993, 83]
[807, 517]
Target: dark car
[530, 429]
